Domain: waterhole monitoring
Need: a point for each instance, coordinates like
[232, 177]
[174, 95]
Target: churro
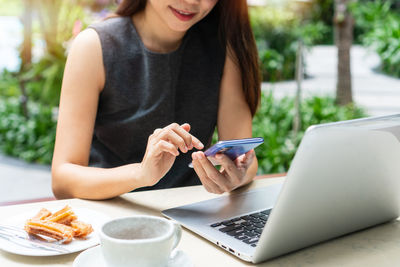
[50, 229]
[61, 225]
[81, 229]
[42, 214]
[63, 216]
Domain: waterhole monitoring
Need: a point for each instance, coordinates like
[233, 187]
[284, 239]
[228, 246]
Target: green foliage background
[274, 122]
[31, 139]
[379, 27]
[277, 32]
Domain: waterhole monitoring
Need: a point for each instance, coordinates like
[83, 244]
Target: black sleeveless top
[145, 90]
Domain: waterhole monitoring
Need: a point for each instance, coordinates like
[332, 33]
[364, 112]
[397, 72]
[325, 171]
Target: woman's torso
[145, 90]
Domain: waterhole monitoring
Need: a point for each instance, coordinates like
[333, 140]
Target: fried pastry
[63, 216]
[42, 214]
[81, 229]
[61, 225]
[50, 229]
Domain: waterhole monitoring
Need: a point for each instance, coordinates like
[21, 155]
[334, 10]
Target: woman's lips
[182, 15]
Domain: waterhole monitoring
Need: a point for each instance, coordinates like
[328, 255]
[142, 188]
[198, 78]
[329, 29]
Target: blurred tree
[26, 52]
[59, 22]
[48, 11]
[343, 38]
[303, 7]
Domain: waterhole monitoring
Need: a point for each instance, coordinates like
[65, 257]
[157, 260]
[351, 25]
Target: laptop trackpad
[220, 208]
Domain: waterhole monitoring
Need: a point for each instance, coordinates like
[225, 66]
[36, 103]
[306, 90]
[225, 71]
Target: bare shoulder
[85, 58]
[87, 42]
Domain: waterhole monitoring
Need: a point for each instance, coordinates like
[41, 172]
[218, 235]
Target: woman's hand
[231, 176]
[162, 149]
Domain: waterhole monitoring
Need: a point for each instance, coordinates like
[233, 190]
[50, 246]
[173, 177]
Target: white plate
[94, 257]
[95, 218]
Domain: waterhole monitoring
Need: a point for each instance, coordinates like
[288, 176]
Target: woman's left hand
[231, 175]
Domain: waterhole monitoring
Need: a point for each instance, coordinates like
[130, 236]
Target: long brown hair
[235, 33]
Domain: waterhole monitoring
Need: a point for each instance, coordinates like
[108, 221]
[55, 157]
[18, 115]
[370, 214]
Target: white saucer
[94, 257]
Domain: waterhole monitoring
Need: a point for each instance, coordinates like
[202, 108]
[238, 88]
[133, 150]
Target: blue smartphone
[232, 148]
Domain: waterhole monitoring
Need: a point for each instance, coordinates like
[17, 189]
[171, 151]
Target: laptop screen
[373, 123]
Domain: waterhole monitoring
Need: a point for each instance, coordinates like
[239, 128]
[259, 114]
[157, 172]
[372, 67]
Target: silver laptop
[344, 177]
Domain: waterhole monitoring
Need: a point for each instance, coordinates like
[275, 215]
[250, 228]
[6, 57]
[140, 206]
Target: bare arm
[83, 81]
[234, 115]
[234, 122]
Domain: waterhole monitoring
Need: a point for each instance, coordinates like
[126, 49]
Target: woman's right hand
[162, 149]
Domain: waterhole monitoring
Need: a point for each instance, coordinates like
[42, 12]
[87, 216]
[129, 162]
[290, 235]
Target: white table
[378, 246]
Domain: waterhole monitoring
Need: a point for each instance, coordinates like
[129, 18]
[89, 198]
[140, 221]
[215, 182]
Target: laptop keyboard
[246, 228]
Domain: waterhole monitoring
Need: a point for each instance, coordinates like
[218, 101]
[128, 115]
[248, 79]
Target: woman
[143, 89]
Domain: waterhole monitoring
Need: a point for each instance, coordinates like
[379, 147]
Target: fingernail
[200, 145]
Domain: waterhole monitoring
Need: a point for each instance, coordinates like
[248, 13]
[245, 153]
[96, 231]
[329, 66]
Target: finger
[186, 127]
[165, 146]
[153, 137]
[157, 131]
[181, 131]
[197, 143]
[213, 173]
[230, 168]
[209, 185]
[246, 159]
[174, 138]
[190, 140]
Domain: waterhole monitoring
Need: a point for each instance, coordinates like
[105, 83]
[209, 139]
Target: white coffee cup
[139, 241]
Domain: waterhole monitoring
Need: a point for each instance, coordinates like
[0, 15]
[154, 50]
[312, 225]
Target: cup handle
[177, 234]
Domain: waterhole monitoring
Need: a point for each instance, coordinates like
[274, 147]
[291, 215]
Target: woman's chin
[178, 27]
